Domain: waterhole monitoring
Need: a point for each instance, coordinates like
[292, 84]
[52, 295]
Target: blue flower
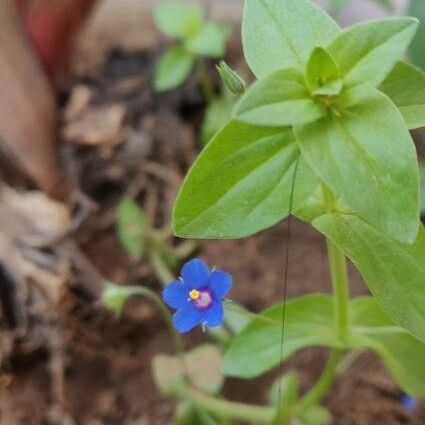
[197, 296]
[409, 402]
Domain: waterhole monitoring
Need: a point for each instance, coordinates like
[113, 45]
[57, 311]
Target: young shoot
[195, 38]
[142, 240]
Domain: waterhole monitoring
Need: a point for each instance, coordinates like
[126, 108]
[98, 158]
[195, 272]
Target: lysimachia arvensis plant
[337, 105]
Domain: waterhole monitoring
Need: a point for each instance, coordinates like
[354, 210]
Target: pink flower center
[202, 298]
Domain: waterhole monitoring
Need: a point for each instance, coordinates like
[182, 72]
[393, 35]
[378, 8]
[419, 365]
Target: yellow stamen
[194, 294]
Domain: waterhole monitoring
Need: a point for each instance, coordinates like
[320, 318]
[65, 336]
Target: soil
[107, 359]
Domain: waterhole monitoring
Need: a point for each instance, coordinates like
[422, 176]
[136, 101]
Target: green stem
[340, 287]
[204, 79]
[185, 249]
[154, 298]
[323, 385]
[232, 410]
[161, 270]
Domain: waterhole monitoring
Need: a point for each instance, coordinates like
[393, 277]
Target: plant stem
[161, 270]
[341, 296]
[154, 298]
[205, 80]
[322, 386]
[340, 287]
[232, 410]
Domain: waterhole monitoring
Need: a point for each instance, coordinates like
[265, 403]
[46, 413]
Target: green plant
[219, 109]
[337, 5]
[417, 49]
[323, 134]
[196, 39]
[141, 239]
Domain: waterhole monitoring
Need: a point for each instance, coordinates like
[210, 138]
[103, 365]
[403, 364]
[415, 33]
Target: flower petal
[176, 294]
[187, 318]
[195, 273]
[214, 315]
[220, 283]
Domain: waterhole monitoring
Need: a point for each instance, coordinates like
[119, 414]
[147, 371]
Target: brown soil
[107, 375]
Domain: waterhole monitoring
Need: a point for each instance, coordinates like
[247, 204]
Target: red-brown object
[27, 105]
[51, 26]
[28, 112]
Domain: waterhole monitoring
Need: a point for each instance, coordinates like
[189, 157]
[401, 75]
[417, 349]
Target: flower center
[202, 298]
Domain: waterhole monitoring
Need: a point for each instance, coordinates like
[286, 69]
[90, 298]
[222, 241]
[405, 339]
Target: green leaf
[388, 5]
[236, 317]
[285, 390]
[217, 115]
[203, 366]
[337, 5]
[132, 227]
[282, 34]
[283, 396]
[314, 206]
[309, 322]
[211, 41]
[366, 156]
[173, 68]
[422, 172]
[280, 99]
[417, 48]
[241, 183]
[177, 19]
[322, 74]
[191, 414]
[402, 353]
[366, 52]
[394, 272]
[405, 86]
[317, 415]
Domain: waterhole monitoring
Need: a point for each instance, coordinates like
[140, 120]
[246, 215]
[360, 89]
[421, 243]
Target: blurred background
[91, 157]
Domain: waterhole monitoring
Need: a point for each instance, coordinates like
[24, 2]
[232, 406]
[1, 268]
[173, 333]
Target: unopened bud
[114, 297]
[231, 79]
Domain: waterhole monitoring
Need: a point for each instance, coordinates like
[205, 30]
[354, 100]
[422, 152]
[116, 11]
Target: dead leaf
[98, 125]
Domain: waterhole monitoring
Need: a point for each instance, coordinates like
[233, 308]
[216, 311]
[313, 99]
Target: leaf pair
[196, 38]
[202, 366]
[310, 322]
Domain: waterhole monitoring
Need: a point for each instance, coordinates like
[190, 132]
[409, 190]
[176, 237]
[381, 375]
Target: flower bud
[114, 297]
[231, 79]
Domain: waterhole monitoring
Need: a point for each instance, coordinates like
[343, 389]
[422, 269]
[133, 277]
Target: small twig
[150, 206]
[136, 186]
[166, 174]
[71, 251]
[57, 366]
